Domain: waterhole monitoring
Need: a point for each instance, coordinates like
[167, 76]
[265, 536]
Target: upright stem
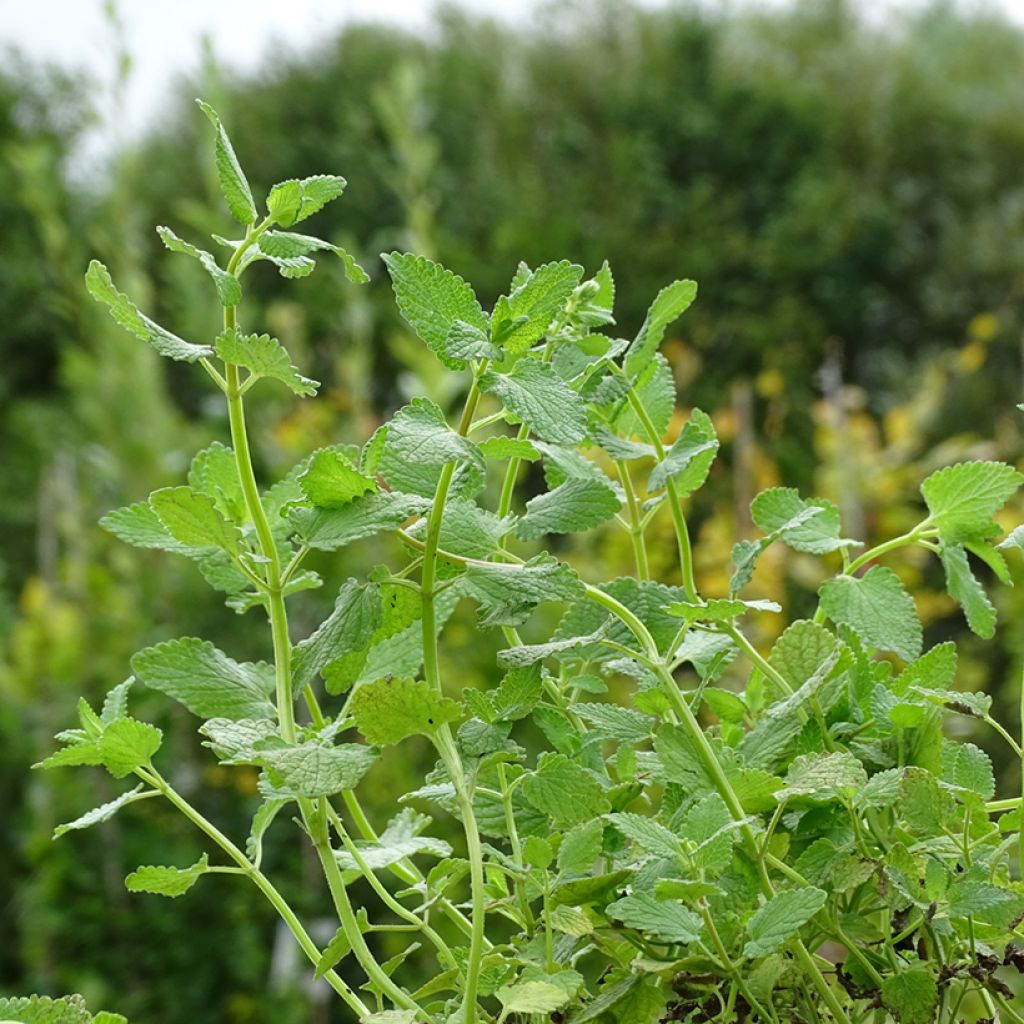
[443, 739]
[636, 526]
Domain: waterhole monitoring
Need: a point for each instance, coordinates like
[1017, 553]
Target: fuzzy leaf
[670, 303]
[970, 768]
[263, 356]
[911, 996]
[389, 710]
[654, 839]
[161, 881]
[139, 525]
[311, 770]
[125, 312]
[688, 462]
[668, 921]
[102, 813]
[778, 511]
[192, 519]
[575, 505]
[964, 588]
[432, 299]
[780, 919]
[535, 394]
[206, 680]
[877, 608]
[232, 181]
[507, 594]
[331, 480]
[523, 316]
[330, 529]
[128, 744]
[963, 498]
[532, 997]
[823, 776]
[229, 291]
[564, 790]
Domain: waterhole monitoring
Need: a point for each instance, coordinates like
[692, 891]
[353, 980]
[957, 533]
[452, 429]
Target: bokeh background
[847, 185]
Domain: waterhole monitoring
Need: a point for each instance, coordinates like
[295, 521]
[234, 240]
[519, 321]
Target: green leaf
[389, 710]
[580, 847]
[719, 609]
[532, 997]
[523, 316]
[688, 462]
[778, 511]
[237, 741]
[504, 447]
[124, 311]
[911, 996]
[668, 921]
[517, 693]
[670, 303]
[283, 246]
[571, 507]
[263, 356]
[140, 526]
[400, 839]
[467, 529]
[115, 704]
[214, 473]
[535, 394]
[334, 952]
[877, 608]
[229, 290]
[710, 826]
[564, 790]
[356, 616]
[507, 594]
[232, 181]
[194, 520]
[965, 589]
[656, 390]
[824, 776]
[311, 770]
[780, 919]
[331, 480]
[627, 725]
[963, 498]
[161, 881]
[294, 200]
[128, 744]
[206, 680]
[432, 299]
[330, 529]
[102, 813]
[654, 839]
[970, 768]
[419, 444]
[981, 899]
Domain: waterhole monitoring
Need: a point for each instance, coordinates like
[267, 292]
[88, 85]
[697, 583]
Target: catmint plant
[770, 836]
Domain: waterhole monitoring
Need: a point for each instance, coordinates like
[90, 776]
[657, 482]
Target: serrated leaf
[564, 790]
[669, 922]
[710, 825]
[400, 839]
[311, 770]
[139, 525]
[877, 608]
[214, 473]
[331, 480]
[206, 680]
[965, 589]
[389, 710]
[102, 813]
[432, 299]
[229, 290]
[719, 609]
[286, 246]
[229, 172]
[688, 462]
[523, 316]
[419, 444]
[581, 846]
[163, 881]
[627, 725]
[656, 391]
[334, 952]
[572, 506]
[780, 919]
[532, 997]
[507, 594]
[778, 511]
[125, 313]
[824, 776]
[128, 744]
[670, 303]
[263, 356]
[963, 498]
[974, 899]
[653, 838]
[535, 394]
[194, 520]
[357, 614]
[969, 767]
[317, 191]
[236, 741]
[504, 447]
[115, 704]
[330, 529]
[911, 996]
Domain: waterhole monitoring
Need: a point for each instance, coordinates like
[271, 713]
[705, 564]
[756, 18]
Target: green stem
[636, 531]
[306, 944]
[517, 849]
[443, 739]
[347, 916]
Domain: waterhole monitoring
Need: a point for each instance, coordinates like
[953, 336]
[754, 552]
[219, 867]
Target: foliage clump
[810, 846]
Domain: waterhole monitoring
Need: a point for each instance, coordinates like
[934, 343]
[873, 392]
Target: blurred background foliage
[848, 194]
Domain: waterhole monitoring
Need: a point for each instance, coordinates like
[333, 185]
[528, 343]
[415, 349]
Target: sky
[164, 35]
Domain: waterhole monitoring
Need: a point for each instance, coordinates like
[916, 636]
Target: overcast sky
[164, 35]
